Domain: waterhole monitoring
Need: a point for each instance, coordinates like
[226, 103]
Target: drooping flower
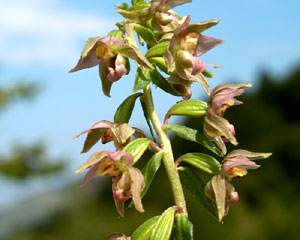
[119, 133]
[217, 128]
[128, 182]
[186, 46]
[235, 164]
[111, 54]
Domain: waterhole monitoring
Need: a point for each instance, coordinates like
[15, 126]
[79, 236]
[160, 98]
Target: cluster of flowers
[184, 43]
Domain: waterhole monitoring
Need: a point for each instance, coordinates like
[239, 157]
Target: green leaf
[146, 33]
[208, 74]
[202, 161]
[194, 184]
[133, 2]
[124, 111]
[147, 117]
[160, 63]
[192, 108]
[158, 50]
[137, 148]
[162, 83]
[142, 79]
[194, 136]
[106, 84]
[116, 34]
[143, 232]
[150, 170]
[163, 227]
[92, 138]
[184, 228]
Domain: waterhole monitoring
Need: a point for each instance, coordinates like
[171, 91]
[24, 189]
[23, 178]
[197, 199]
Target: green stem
[168, 158]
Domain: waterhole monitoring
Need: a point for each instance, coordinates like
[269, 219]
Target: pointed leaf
[124, 111]
[158, 50]
[116, 34]
[147, 117]
[192, 108]
[160, 63]
[163, 227]
[106, 84]
[137, 148]
[201, 161]
[142, 79]
[194, 136]
[162, 83]
[194, 184]
[184, 228]
[133, 2]
[143, 232]
[145, 33]
[150, 170]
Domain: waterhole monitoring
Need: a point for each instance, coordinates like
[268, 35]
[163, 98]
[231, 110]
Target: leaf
[163, 227]
[124, 111]
[106, 84]
[142, 79]
[162, 83]
[184, 228]
[137, 185]
[208, 74]
[147, 117]
[158, 50]
[192, 108]
[116, 34]
[150, 170]
[201, 161]
[160, 63]
[194, 184]
[146, 34]
[137, 148]
[194, 136]
[143, 232]
[133, 2]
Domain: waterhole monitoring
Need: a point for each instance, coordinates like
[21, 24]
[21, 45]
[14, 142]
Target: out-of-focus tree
[24, 161]
[269, 208]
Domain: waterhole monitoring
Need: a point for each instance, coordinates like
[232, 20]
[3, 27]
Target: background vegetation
[269, 121]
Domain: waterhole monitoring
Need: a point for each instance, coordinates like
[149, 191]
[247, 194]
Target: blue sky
[41, 40]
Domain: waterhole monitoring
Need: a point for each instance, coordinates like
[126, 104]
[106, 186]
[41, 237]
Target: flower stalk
[168, 158]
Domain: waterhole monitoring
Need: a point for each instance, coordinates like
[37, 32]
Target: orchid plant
[171, 63]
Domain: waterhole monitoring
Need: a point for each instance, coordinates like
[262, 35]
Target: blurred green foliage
[28, 161]
[15, 92]
[24, 161]
[269, 120]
